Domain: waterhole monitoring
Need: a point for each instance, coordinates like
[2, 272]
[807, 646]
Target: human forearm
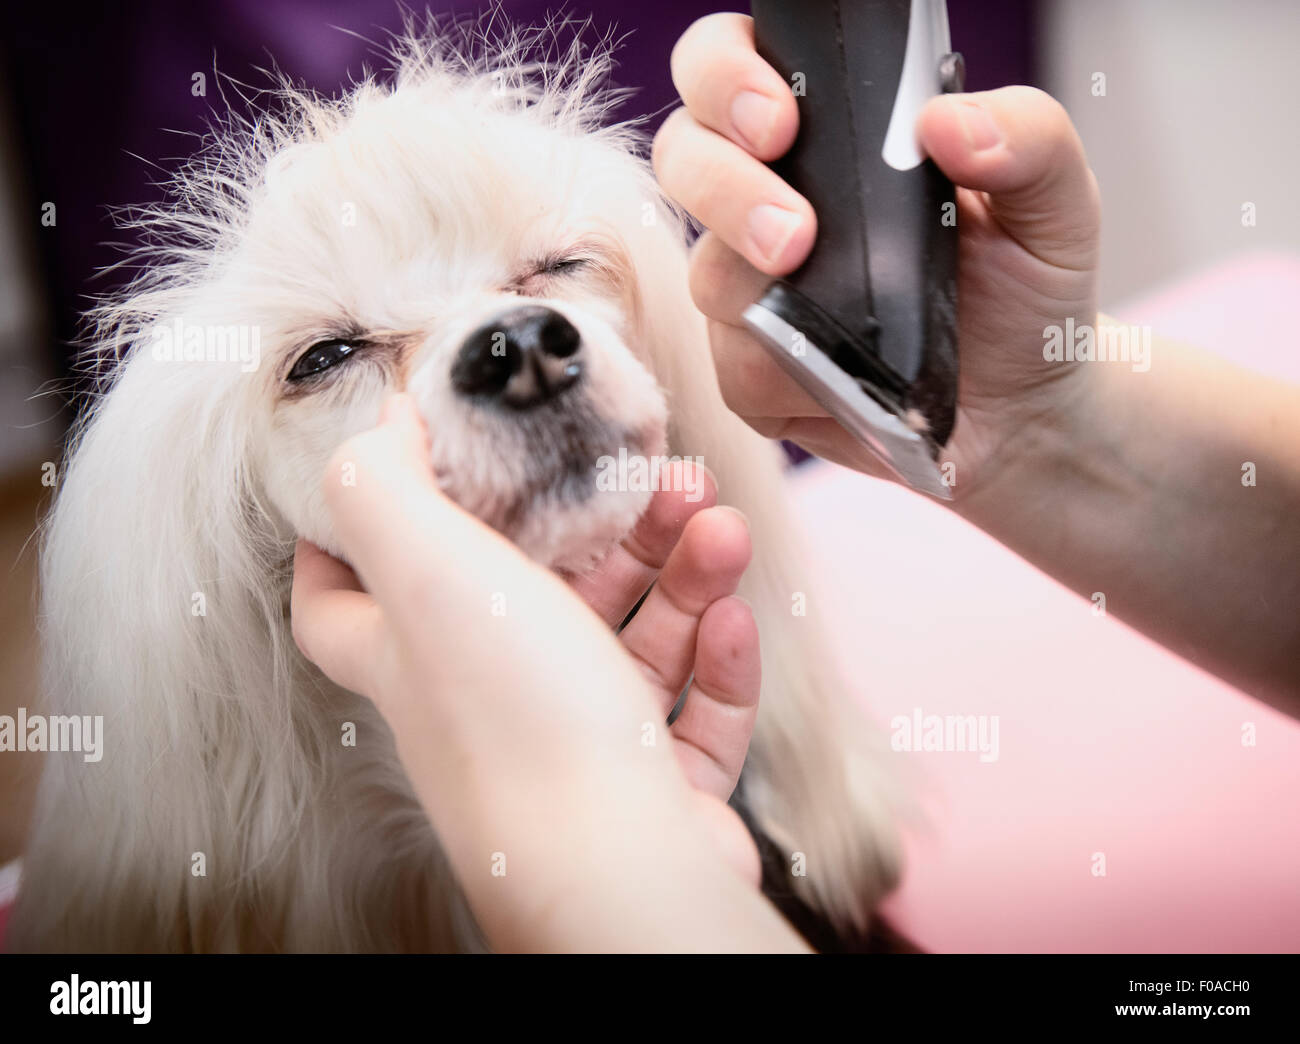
[1136, 491]
[615, 806]
[551, 807]
[632, 856]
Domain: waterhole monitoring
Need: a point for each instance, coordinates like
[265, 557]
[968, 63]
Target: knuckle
[721, 188]
[1048, 110]
[727, 389]
[707, 274]
[702, 177]
[732, 387]
[716, 27]
[664, 150]
[679, 57]
[695, 42]
[769, 427]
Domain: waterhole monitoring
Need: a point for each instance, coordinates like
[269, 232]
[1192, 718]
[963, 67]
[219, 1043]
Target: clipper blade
[907, 453]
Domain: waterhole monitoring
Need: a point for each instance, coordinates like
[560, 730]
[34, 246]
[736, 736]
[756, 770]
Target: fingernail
[977, 122]
[771, 228]
[752, 114]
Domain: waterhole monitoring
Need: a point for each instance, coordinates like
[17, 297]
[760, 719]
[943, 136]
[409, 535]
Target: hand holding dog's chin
[527, 728]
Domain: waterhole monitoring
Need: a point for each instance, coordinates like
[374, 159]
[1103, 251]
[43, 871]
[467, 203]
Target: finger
[385, 506]
[614, 587]
[706, 565]
[373, 477]
[752, 382]
[714, 728]
[335, 624]
[727, 87]
[723, 284]
[766, 398]
[733, 194]
[728, 831]
[1018, 145]
[824, 437]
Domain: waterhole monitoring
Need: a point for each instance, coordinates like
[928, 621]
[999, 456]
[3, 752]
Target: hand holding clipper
[867, 325]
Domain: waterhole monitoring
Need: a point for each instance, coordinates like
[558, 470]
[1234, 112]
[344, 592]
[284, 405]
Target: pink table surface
[1108, 743]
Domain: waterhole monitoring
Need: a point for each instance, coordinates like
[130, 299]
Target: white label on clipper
[928, 40]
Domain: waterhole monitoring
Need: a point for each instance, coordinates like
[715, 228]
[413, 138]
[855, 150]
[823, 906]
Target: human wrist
[600, 860]
[1094, 493]
[1060, 447]
[664, 886]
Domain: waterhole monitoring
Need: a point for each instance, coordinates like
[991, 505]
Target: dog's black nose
[521, 358]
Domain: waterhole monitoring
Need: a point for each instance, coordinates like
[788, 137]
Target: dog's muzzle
[520, 359]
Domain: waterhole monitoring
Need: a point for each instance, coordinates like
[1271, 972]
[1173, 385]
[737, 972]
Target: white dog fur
[407, 212]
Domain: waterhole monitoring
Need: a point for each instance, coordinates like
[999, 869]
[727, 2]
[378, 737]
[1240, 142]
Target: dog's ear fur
[143, 560]
[209, 824]
[817, 778]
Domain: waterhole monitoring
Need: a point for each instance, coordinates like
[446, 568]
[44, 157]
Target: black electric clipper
[868, 323]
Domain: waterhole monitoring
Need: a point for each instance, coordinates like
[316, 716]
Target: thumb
[376, 482]
[1018, 145]
[335, 624]
[398, 529]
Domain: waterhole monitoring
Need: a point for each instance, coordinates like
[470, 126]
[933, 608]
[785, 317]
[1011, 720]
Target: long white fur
[219, 738]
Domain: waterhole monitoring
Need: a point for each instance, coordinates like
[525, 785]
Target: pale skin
[1110, 480]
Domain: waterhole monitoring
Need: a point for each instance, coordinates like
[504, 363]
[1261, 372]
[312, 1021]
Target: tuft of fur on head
[183, 243]
[166, 558]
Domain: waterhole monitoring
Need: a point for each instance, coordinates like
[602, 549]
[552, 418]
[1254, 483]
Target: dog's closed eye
[539, 277]
[331, 353]
[560, 265]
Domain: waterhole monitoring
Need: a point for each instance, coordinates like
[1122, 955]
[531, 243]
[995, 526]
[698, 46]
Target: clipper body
[868, 323]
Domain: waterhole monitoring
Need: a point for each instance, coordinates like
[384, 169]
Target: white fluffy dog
[466, 230]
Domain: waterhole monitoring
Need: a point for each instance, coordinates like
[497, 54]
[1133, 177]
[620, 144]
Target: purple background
[93, 85]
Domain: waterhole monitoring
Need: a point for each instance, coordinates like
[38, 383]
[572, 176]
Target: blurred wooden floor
[22, 500]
